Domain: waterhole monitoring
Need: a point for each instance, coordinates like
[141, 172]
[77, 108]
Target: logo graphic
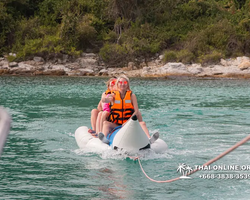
[184, 170]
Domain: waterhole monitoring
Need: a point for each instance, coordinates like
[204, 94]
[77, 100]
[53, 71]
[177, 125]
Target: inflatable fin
[131, 136]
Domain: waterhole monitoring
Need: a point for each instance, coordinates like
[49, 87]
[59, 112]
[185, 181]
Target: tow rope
[197, 169]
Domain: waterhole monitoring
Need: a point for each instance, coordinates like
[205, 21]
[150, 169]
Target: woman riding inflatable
[123, 106]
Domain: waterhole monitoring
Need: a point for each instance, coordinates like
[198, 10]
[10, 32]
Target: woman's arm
[135, 104]
[139, 116]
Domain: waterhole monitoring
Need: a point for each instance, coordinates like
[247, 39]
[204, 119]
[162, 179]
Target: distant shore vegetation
[121, 31]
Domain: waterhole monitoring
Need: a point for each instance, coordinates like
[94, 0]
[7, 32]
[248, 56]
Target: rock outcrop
[89, 64]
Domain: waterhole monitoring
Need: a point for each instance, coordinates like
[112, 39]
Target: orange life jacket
[122, 109]
[108, 91]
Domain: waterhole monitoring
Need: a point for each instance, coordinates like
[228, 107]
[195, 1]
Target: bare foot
[93, 133]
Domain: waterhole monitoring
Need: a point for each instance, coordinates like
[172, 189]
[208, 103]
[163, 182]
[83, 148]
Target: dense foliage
[126, 30]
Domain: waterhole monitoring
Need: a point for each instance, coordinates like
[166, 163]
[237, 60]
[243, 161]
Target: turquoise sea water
[199, 119]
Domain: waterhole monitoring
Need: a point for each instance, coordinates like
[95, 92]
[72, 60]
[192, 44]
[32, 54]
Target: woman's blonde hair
[119, 78]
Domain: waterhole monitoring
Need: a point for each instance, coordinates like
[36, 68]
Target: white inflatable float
[5, 122]
[130, 138]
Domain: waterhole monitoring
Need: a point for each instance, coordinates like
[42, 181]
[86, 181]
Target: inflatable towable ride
[129, 137]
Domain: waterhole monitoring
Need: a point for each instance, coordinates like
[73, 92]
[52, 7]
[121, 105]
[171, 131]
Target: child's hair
[111, 79]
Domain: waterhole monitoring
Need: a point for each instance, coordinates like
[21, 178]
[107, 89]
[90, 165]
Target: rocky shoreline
[89, 64]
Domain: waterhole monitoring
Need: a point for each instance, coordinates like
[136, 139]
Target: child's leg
[105, 115]
[94, 114]
[98, 122]
[107, 127]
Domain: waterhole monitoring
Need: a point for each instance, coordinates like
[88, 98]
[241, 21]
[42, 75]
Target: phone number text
[225, 176]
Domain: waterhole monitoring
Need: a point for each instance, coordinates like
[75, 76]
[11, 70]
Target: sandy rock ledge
[89, 64]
